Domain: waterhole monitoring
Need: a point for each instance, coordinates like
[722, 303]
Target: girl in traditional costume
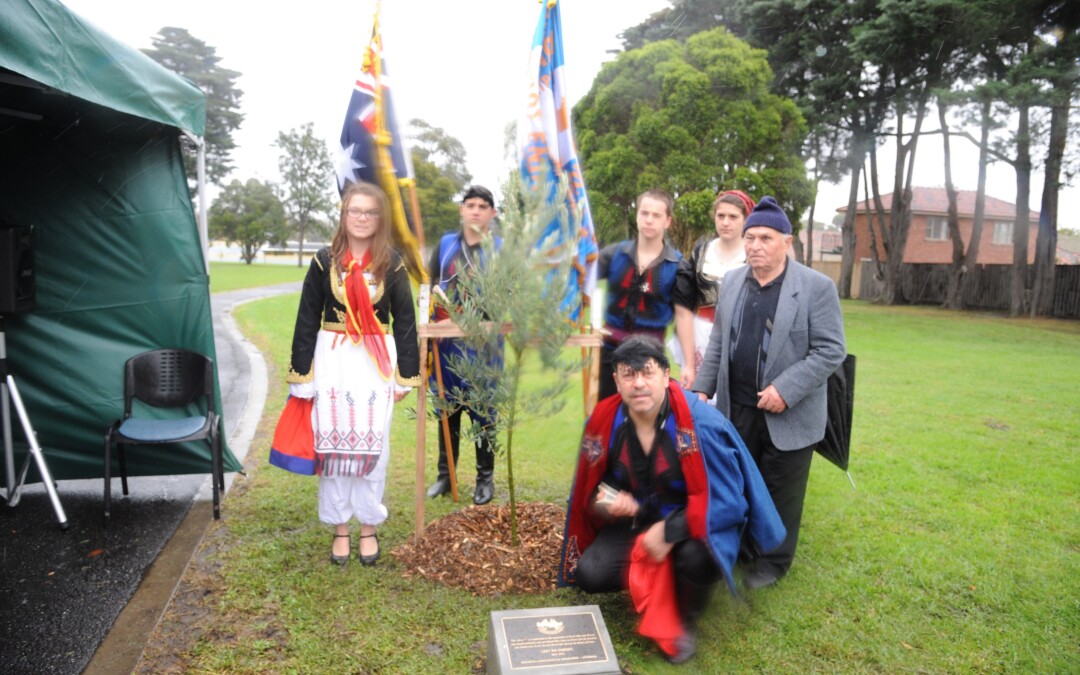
[712, 258]
[346, 357]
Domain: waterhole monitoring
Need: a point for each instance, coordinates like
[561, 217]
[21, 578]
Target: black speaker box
[16, 270]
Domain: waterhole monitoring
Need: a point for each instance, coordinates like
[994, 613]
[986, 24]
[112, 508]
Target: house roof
[935, 201]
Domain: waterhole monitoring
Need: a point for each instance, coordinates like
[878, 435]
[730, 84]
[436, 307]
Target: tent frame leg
[14, 490]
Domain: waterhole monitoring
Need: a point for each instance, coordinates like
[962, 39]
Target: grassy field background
[958, 552]
[232, 276]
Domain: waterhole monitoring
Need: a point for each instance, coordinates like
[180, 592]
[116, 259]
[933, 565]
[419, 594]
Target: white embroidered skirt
[353, 407]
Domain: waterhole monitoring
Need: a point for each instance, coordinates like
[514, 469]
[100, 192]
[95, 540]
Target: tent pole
[200, 172]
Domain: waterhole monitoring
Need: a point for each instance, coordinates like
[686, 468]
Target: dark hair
[380, 244]
[660, 196]
[481, 192]
[636, 350]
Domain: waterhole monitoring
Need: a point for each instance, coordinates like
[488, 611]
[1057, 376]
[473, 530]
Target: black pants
[604, 567]
[785, 473]
[485, 456]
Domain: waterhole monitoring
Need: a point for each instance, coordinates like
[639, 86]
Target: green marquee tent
[91, 160]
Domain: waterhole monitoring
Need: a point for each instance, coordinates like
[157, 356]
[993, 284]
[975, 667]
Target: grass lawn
[234, 276]
[959, 551]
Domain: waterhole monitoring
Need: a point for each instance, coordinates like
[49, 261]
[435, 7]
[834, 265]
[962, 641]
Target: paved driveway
[61, 591]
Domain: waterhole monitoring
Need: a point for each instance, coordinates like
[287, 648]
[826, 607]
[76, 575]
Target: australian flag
[372, 150]
[358, 159]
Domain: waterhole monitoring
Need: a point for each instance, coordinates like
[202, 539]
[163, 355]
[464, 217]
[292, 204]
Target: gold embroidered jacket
[322, 305]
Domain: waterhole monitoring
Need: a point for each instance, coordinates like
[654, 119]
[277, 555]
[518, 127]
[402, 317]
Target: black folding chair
[166, 378]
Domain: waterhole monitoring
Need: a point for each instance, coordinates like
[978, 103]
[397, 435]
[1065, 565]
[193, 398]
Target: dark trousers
[604, 567]
[485, 457]
[785, 473]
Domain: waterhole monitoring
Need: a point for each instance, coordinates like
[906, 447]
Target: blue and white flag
[548, 151]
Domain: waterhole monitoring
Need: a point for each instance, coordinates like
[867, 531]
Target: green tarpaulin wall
[90, 158]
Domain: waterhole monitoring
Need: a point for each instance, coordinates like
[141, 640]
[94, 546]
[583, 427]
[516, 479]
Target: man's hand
[624, 505]
[770, 401]
[703, 397]
[400, 394]
[654, 543]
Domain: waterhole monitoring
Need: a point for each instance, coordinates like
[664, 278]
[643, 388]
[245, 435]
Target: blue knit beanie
[768, 213]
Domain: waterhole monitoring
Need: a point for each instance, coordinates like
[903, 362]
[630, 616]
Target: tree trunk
[1042, 301]
[957, 269]
[300, 248]
[847, 233]
[879, 215]
[971, 259]
[809, 257]
[901, 208]
[859, 143]
[1018, 282]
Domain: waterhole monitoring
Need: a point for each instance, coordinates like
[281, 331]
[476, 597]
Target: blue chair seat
[171, 379]
[161, 431]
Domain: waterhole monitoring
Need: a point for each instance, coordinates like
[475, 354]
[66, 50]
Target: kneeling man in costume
[663, 492]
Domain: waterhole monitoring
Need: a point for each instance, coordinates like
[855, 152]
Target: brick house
[928, 239]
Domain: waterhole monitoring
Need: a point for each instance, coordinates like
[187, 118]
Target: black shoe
[686, 647]
[440, 487]
[341, 560]
[760, 579]
[485, 490]
[369, 560]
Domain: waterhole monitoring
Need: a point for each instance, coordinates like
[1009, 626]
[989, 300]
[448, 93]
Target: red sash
[361, 323]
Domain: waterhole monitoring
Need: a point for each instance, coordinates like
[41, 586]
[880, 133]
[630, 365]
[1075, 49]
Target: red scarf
[361, 323]
[652, 588]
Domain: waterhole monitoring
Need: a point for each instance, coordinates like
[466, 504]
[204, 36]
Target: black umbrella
[836, 445]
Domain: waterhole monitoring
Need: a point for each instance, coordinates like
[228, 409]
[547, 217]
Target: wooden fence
[988, 288]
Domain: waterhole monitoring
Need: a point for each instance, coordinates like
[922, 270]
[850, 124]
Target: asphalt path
[62, 591]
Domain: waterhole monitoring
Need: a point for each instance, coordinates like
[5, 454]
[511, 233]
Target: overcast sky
[457, 65]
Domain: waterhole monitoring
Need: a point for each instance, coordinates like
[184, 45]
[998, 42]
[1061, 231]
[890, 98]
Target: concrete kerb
[123, 646]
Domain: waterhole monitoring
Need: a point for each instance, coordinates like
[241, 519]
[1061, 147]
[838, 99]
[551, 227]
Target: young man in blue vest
[648, 285]
[457, 252]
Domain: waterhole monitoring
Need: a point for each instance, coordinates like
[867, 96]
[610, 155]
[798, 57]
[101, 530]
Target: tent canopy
[92, 163]
[43, 41]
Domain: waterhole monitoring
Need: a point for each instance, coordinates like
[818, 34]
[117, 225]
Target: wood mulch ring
[471, 549]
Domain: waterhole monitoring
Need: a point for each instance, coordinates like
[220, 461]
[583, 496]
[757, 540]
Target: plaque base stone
[550, 641]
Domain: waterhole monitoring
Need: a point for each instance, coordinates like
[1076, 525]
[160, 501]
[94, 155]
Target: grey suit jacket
[807, 345]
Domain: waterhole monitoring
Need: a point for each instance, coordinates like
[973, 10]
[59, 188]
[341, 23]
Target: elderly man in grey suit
[777, 336]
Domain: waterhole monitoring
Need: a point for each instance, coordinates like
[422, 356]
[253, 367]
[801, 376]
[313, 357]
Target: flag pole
[414, 205]
[445, 417]
[385, 165]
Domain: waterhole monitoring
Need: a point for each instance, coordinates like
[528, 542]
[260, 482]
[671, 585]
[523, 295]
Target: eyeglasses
[627, 374]
[362, 214]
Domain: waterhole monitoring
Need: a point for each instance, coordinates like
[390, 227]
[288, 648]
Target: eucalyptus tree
[306, 173]
[249, 215]
[691, 118]
[681, 20]
[439, 164]
[1058, 55]
[845, 96]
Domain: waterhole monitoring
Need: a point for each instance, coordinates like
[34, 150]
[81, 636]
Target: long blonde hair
[380, 243]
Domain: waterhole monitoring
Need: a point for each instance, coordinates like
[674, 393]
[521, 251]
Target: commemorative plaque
[550, 641]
